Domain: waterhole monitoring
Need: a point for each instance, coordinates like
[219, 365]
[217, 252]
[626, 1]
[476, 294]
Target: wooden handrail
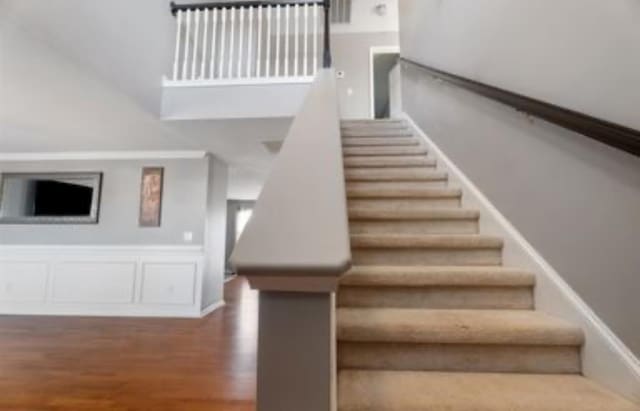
[612, 134]
[298, 237]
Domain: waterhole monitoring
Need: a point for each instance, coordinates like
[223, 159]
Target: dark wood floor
[96, 364]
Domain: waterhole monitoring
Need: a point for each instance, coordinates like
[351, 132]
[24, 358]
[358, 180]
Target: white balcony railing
[254, 42]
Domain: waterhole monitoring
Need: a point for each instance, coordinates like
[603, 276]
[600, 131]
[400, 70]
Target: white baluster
[286, 42]
[205, 37]
[250, 42]
[214, 29]
[315, 39]
[268, 60]
[296, 57]
[278, 31]
[259, 51]
[232, 27]
[240, 41]
[306, 40]
[223, 31]
[196, 36]
[185, 62]
[176, 59]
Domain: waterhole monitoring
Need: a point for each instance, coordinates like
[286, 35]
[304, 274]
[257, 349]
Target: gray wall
[183, 207]
[577, 201]
[351, 54]
[213, 280]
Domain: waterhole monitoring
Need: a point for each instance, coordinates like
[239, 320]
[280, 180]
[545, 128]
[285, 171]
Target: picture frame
[151, 188]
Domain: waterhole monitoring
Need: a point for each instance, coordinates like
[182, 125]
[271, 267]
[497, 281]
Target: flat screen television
[55, 198]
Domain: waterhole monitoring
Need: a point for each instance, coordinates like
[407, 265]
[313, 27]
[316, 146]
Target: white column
[315, 40]
[240, 42]
[176, 59]
[185, 62]
[286, 41]
[223, 29]
[268, 60]
[250, 43]
[214, 29]
[278, 33]
[232, 29]
[296, 48]
[205, 38]
[196, 36]
[259, 51]
[306, 41]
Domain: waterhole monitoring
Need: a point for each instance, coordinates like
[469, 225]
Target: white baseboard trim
[605, 358]
[211, 308]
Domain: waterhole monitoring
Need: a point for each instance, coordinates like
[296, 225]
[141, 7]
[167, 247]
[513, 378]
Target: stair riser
[459, 358]
[414, 227]
[404, 203]
[391, 134]
[515, 298]
[390, 185]
[393, 174]
[384, 151]
[425, 256]
[379, 141]
[388, 162]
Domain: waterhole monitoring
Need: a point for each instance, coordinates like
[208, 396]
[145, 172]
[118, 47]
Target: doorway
[382, 60]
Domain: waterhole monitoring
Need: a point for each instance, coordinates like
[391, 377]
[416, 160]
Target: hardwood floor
[96, 364]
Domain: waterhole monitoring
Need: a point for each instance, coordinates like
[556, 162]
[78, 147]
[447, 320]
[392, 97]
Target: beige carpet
[429, 318]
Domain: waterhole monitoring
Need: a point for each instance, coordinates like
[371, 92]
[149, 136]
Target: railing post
[326, 59]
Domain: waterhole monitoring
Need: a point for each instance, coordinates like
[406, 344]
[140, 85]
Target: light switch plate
[187, 236]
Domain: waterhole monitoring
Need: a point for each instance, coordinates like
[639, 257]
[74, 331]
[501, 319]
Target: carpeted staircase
[428, 318]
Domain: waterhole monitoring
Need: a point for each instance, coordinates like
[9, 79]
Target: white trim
[24, 290]
[372, 52]
[211, 308]
[257, 81]
[103, 155]
[605, 358]
[12, 249]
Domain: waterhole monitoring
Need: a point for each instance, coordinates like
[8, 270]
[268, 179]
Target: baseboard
[211, 308]
[605, 358]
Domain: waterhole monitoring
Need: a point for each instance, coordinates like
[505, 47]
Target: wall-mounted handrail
[299, 229]
[612, 134]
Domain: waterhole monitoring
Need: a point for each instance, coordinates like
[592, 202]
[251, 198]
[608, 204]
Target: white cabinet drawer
[23, 281]
[168, 283]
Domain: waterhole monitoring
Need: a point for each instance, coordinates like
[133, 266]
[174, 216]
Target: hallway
[96, 364]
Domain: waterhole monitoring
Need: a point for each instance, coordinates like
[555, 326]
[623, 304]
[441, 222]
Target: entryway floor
[96, 364]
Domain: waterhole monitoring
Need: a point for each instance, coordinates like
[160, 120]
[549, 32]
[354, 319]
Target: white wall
[351, 55]
[183, 206]
[364, 19]
[576, 200]
[581, 54]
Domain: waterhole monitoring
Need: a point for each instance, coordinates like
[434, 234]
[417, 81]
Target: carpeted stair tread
[379, 141]
[404, 193]
[384, 151]
[505, 327]
[441, 391]
[424, 276]
[388, 161]
[395, 174]
[356, 213]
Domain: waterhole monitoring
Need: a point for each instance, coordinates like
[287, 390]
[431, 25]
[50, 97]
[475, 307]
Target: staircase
[428, 318]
